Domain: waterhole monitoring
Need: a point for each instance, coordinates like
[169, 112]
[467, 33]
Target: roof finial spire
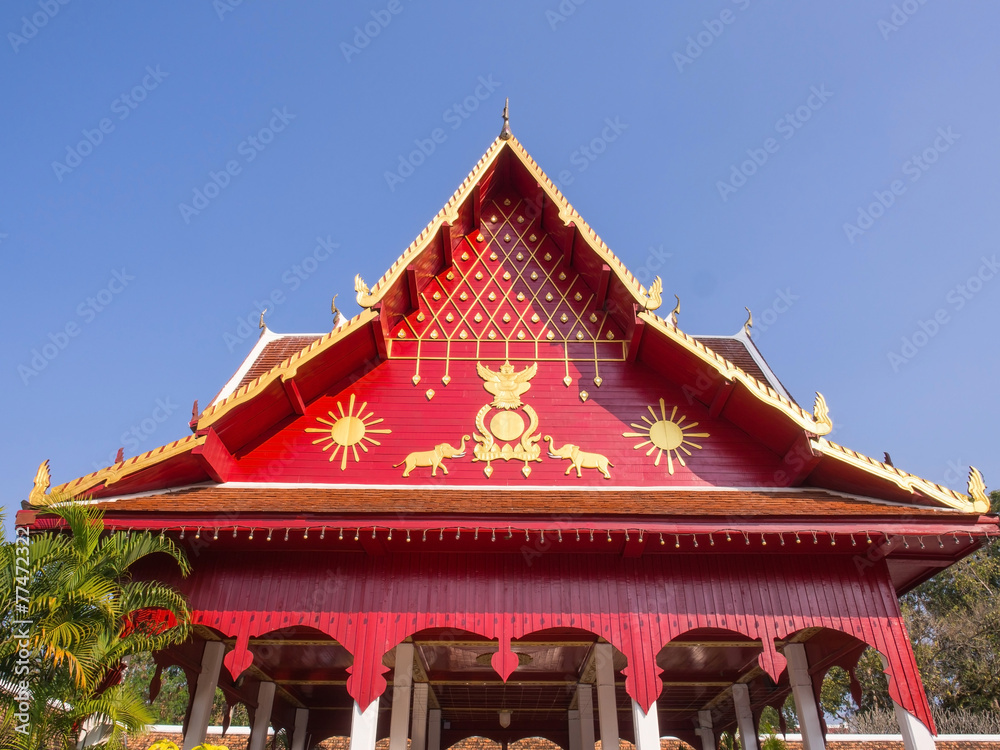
[505, 133]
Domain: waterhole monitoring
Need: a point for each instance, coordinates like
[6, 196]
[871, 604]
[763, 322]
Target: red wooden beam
[215, 458]
[602, 286]
[446, 248]
[633, 344]
[477, 205]
[379, 333]
[798, 463]
[294, 396]
[571, 250]
[411, 284]
[721, 398]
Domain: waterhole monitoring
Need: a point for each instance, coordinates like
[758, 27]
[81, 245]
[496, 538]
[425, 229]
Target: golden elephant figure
[580, 459]
[432, 458]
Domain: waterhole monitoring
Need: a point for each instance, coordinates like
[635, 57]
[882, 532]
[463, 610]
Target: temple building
[512, 498]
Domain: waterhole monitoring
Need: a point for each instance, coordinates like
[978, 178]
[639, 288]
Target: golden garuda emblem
[506, 385]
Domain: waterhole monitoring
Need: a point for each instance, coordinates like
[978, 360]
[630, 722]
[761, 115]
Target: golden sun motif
[348, 431]
[665, 435]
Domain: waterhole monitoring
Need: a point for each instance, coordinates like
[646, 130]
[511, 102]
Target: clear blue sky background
[653, 194]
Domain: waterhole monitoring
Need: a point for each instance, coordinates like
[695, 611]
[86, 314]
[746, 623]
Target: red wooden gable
[508, 346]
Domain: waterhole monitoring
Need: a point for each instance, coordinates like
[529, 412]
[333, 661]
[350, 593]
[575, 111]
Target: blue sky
[832, 166]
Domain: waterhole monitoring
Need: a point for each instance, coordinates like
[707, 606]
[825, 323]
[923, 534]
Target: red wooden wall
[370, 604]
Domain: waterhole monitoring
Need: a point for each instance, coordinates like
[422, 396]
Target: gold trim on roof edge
[902, 479]
[285, 370]
[112, 474]
[367, 297]
[818, 423]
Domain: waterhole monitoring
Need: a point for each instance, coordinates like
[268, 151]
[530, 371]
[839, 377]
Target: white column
[402, 686]
[606, 704]
[204, 693]
[262, 716]
[744, 716]
[434, 729]
[364, 725]
[585, 702]
[915, 735]
[418, 727]
[299, 734]
[573, 721]
[705, 730]
[647, 727]
[805, 698]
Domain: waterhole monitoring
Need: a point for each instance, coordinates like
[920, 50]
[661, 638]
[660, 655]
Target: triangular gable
[509, 272]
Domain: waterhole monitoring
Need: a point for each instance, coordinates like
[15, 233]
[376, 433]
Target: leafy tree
[954, 622]
[954, 625]
[82, 624]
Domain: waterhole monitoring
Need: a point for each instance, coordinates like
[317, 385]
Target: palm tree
[84, 620]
